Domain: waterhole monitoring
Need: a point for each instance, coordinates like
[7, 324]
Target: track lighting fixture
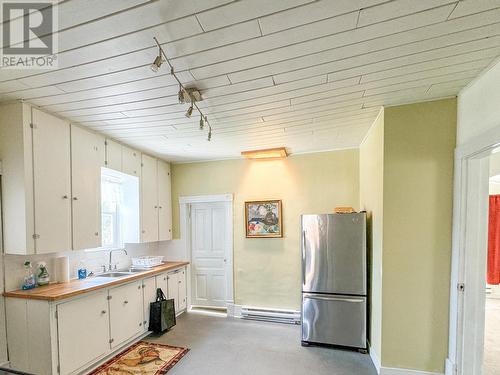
[157, 63]
[186, 95]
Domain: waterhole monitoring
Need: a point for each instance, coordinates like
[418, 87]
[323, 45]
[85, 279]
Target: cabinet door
[182, 290]
[83, 331]
[131, 161]
[164, 202]
[86, 151]
[125, 312]
[149, 295]
[149, 193]
[173, 288]
[161, 282]
[52, 183]
[113, 155]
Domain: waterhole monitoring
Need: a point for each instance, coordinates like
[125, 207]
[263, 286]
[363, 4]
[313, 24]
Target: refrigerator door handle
[324, 298]
[303, 256]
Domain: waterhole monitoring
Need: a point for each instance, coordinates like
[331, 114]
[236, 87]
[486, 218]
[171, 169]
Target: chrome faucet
[111, 254]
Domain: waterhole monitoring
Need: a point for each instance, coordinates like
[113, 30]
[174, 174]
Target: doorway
[207, 227]
[472, 312]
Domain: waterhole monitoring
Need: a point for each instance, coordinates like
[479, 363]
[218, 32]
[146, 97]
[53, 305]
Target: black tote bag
[161, 313]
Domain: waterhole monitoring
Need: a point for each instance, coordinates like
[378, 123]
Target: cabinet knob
[159, 206]
[75, 198]
[96, 233]
[139, 287]
[65, 197]
[143, 286]
[125, 302]
[179, 281]
[156, 206]
[103, 312]
[140, 324]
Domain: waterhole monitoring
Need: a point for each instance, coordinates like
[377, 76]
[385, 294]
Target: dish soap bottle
[82, 271]
[42, 275]
[29, 278]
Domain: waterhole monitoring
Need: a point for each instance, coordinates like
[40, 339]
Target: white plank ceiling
[307, 75]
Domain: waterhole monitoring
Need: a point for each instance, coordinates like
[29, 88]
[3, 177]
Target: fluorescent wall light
[270, 153]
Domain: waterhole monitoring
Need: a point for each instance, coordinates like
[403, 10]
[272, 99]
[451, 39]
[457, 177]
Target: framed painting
[263, 219]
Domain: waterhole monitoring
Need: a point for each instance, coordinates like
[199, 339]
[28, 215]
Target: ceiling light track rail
[155, 66]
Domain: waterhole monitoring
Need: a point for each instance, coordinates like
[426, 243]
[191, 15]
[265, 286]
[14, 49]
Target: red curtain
[493, 275]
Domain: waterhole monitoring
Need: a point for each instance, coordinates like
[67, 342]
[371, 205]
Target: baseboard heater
[270, 315]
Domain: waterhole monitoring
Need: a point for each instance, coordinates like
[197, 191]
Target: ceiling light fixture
[157, 62]
[191, 93]
[269, 153]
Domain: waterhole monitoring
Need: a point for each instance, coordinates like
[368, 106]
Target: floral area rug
[142, 358]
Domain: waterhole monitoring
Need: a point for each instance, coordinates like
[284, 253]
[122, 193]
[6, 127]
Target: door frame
[468, 261]
[185, 203]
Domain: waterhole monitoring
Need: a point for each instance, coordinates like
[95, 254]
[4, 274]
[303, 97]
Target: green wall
[419, 143]
[267, 271]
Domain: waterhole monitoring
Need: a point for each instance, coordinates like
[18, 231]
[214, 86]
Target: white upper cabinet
[149, 193]
[52, 183]
[131, 161]
[86, 161]
[164, 202]
[113, 155]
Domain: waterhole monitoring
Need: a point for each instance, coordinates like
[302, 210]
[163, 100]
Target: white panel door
[113, 155]
[149, 193]
[52, 183]
[209, 232]
[125, 312]
[131, 161]
[149, 295]
[83, 331]
[164, 202]
[86, 161]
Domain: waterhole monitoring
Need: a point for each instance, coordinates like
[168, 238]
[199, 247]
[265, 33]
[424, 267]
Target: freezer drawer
[333, 319]
[334, 254]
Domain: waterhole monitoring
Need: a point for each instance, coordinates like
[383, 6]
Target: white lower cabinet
[69, 336]
[126, 312]
[149, 292]
[83, 331]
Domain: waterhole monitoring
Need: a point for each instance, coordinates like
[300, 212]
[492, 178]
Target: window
[112, 200]
[119, 208]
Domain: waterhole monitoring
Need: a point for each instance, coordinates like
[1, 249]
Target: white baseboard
[375, 360]
[402, 371]
[233, 311]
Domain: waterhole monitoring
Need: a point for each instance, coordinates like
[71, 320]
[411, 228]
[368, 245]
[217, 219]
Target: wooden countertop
[59, 291]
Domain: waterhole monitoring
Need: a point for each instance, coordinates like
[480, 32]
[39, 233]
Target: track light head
[157, 63]
[209, 134]
[202, 123]
[189, 111]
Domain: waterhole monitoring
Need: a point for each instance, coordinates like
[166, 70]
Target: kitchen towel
[62, 269]
[493, 271]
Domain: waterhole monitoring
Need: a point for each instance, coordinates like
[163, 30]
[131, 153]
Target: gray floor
[492, 337]
[221, 346]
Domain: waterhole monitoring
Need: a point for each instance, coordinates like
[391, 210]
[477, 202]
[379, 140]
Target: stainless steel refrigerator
[334, 279]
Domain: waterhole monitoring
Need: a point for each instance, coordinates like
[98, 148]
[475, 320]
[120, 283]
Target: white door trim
[185, 232]
[468, 253]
